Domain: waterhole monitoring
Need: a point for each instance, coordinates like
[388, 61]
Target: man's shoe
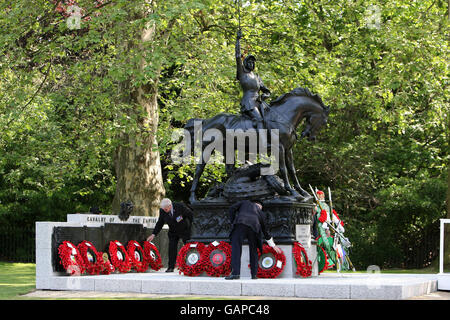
[254, 277]
[232, 277]
[169, 270]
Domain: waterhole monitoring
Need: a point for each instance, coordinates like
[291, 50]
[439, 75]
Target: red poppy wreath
[217, 259]
[137, 256]
[119, 257]
[322, 259]
[271, 263]
[190, 260]
[92, 259]
[152, 256]
[304, 265]
[70, 258]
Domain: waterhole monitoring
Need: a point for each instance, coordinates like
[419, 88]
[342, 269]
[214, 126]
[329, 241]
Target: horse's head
[314, 122]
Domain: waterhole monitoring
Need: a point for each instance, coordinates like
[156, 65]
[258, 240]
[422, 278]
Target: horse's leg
[284, 165]
[291, 169]
[205, 156]
[283, 170]
[198, 172]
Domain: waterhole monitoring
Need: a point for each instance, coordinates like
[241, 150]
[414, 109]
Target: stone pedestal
[288, 221]
[211, 221]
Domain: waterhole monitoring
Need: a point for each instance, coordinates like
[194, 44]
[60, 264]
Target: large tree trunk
[138, 168]
[137, 160]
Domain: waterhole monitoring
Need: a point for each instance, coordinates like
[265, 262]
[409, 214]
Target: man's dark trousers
[240, 233]
[173, 248]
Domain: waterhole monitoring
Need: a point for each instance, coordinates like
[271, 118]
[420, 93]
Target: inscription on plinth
[99, 220]
[303, 234]
[211, 220]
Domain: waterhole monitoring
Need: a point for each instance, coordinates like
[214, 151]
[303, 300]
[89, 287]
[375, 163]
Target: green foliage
[408, 214]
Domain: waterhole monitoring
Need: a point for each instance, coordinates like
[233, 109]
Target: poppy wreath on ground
[152, 256]
[119, 257]
[322, 259]
[323, 254]
[70, 258]
[137, 256]
[217, 259]
[190, 259]
[304, 265]
[92, 259]
[270, 263]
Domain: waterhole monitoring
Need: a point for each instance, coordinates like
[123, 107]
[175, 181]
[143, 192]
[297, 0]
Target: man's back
[248, 213]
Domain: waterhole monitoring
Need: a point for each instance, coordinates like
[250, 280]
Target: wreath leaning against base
[217, 259]
[190, 259]
[92, 259]
[322, 259]
[304, 265]
[152, 256]
[119, 257]
[70, 258]
[271, 263]
[137, 256]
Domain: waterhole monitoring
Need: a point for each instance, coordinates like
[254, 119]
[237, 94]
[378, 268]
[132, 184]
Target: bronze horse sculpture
[284, 115]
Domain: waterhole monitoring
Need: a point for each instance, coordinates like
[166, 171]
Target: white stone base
[288, 284]
[46, 278]
[443, 281]
[290, 268]
[325, 286]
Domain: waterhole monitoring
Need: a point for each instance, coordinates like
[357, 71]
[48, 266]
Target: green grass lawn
[16, 279]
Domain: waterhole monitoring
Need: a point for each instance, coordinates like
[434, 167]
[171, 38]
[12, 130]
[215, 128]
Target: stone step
[325, 286]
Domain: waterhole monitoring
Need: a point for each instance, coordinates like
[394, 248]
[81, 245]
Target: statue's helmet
[249, 62]
[249, 57]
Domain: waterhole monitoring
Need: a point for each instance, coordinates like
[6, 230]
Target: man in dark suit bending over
[248, 222]
[179, 218]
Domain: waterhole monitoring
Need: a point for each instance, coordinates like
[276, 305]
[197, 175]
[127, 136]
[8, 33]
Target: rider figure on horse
[251, 83]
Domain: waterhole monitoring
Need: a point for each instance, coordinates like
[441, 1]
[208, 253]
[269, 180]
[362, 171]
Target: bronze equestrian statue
[284, 114]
